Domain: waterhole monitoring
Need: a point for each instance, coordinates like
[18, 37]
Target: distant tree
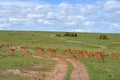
[103, 37]
[58, 35]
[32, 34]
[66, 34]
[70, 34]
[10, 33]
[75, 34]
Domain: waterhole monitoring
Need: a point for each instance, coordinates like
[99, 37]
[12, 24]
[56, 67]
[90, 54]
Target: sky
[101, 16]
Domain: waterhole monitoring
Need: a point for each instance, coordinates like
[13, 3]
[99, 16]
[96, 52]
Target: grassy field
[109, 70]
[23, 63]
[47, 39]
[69, 71]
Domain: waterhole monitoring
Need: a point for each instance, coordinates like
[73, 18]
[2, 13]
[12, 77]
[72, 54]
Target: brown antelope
[87, 56]
[80, 52]
[118, 55]
[1, 46]
[39, 49]
[26, 51]
[68, 51]
[12, 50]
[23, 47]
[5, 45]
[51, 50]
[113, 54]
[100, 55]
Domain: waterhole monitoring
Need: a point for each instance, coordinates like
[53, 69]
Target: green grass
[13, 77]
[18, 77]
[109, 70]
[33, 39]
[98, 70]
[115, 46]
[69, 71]
[26, 63]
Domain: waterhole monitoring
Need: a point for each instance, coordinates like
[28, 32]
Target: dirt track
[59, 72]
[60, 69]
[89, 44]
[79, 71]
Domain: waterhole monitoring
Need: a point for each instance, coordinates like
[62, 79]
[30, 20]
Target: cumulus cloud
[112, 5]
[81, 30]
[84, 17]
[20, 21]
[115, 25]
[88, 23]
[2, 25]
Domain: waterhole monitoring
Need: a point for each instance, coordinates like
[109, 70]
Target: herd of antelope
[85, 54]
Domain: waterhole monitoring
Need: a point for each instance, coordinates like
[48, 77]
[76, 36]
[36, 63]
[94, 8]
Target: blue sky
[61, 15]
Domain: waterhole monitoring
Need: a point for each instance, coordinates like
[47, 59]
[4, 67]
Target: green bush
[58, 35]
[103, 37]
[70, 34]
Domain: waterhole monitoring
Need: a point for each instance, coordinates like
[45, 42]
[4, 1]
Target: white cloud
[19, 3]
[88, 9]
[81, 30]
[26, 22]
[63, 6]
[2, 25]
[88, 23]
[115, 26]
[73, 23]
[39, 7]
[42, 6]
[50, 15]
[34, 16]
[47, 22]
[40, 20]
[112, 5]
[81, 16]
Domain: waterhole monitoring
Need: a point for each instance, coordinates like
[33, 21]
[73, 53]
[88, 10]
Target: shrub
[70, 34]
[58, 35]
[103, 37]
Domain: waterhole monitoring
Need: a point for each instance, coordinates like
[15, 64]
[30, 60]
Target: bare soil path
[79, 72]
[59, 73]
[60, 70]
[89, 44]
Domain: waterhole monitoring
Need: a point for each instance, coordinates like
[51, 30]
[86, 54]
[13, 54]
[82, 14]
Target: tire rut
[59, 71]
[79, 71]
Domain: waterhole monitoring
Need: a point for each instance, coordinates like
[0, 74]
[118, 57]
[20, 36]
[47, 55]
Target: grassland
[109, 70]
[25, 63]
[69, 71]
[47, 39]
[103, 71]
[22, 64]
